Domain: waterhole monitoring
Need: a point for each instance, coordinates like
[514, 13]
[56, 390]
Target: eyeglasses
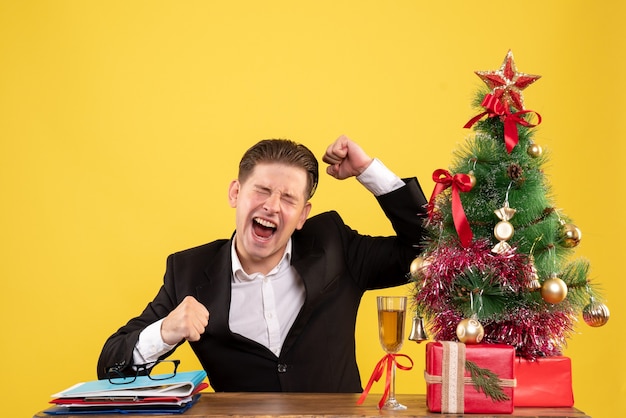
[159, 370]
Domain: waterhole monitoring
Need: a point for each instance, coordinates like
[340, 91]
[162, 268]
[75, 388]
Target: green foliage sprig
[486, 381]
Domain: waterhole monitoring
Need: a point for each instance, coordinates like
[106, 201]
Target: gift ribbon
[384, 365]
[459, 183]
[452, 372]
[467, 380]
[495, 107]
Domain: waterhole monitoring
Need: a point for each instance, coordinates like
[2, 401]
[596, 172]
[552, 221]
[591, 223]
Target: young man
[274, 307]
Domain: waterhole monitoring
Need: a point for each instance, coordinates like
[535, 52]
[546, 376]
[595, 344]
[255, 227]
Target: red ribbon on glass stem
[495, 107]
[459, 183]
[384, 365]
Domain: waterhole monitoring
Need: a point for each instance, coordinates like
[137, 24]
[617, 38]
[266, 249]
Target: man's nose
[272, 203]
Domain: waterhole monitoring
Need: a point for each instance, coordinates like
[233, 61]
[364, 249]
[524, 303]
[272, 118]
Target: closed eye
[263, 190]
[288, 198]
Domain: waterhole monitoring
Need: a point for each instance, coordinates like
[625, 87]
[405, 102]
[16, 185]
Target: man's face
[271, 205]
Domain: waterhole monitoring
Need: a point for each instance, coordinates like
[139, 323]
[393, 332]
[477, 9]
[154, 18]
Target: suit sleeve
[379, 262]
[406, 210]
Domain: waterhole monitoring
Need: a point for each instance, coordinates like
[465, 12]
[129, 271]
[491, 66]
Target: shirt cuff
[150, 345]
[378, 179]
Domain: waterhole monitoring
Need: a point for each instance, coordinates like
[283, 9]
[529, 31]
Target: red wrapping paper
[545, 382]
[498, 358]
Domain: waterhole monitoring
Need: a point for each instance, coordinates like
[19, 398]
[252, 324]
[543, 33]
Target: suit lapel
[215, 293]
[309, 261]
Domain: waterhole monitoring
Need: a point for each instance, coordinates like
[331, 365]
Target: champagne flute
[391, 314]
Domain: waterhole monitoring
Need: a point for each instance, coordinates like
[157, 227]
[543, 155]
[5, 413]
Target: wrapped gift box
[545, 382]
[449, 388]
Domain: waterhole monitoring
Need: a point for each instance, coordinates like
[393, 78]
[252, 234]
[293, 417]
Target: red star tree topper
[507, 83]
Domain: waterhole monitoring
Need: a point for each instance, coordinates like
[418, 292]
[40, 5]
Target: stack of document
[143, 396]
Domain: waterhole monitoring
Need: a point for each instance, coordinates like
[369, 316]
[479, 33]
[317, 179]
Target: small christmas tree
[496, 265]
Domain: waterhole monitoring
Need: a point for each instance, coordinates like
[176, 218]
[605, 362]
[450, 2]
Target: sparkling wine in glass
[391, 315]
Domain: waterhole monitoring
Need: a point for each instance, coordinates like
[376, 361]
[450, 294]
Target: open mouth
[263, 228]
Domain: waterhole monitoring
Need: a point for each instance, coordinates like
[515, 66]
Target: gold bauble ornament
[418, 265]
[534, 150]
[472, 179]
[554, 290]
[570, 235]
[470, 331]
[596, 314]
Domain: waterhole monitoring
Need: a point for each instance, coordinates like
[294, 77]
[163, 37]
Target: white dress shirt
[263, 307]
[272, 302]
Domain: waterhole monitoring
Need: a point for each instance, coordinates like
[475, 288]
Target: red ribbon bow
[495, 107]
[459, 183]
[383, 365]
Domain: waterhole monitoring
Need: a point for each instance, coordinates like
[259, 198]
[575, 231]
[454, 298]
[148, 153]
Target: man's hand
[187, 321]
[345, 158]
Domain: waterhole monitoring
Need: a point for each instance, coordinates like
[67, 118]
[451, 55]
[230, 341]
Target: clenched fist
[187, 322]
[345, 158]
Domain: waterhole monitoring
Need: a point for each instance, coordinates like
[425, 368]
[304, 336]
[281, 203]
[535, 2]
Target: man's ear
[233, 193]
[304, 215]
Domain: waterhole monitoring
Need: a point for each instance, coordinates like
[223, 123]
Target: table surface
[322, 405]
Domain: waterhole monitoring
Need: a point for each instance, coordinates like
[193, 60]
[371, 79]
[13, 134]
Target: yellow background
[122, 123]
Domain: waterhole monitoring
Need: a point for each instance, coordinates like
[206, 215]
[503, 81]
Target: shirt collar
[239, 275]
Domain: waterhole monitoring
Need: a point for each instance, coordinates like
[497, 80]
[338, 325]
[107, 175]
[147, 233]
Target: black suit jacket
[337, 266]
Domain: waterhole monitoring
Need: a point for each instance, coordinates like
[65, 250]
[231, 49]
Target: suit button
[282, 368]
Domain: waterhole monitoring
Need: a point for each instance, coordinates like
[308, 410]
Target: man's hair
[283, 151]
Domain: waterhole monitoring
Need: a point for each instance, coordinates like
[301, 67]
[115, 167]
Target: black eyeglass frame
[115, 372]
